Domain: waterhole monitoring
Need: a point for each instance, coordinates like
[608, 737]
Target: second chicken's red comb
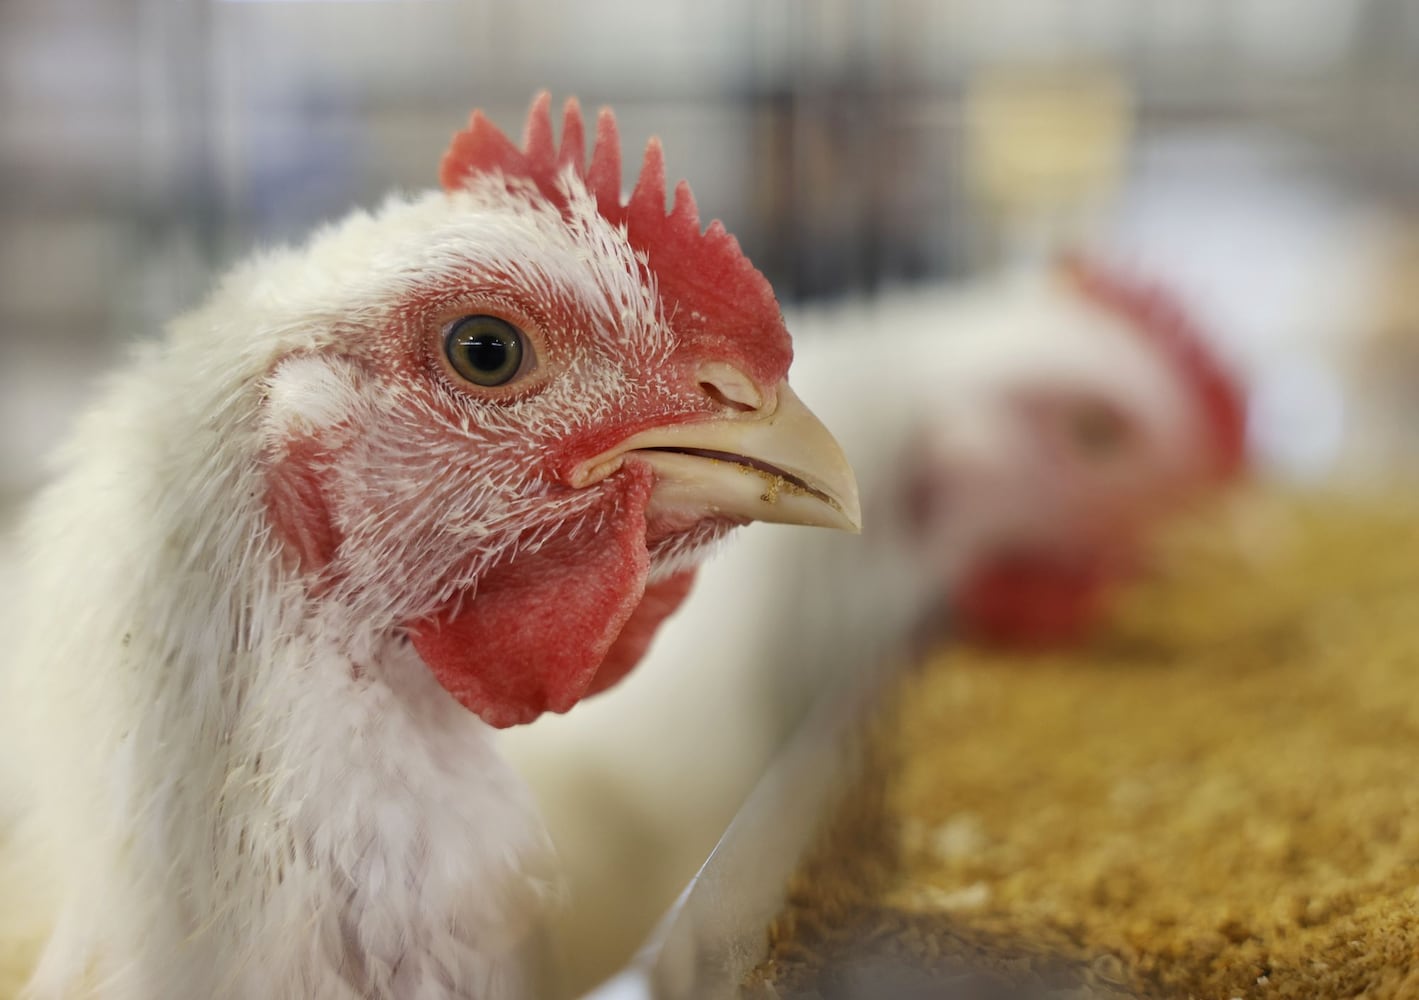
[706, 282]
[1156, 315]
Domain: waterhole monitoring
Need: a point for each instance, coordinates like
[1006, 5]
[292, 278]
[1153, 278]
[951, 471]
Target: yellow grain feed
[1217, 798]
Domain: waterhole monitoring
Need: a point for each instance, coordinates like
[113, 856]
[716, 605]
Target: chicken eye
[485, 350]
[1098, 431]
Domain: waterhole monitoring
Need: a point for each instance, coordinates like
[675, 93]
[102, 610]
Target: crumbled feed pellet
[1217, 798]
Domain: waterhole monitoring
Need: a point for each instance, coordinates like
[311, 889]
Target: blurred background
[1257, 155]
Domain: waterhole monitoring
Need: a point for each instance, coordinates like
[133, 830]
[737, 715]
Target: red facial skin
[571, 615]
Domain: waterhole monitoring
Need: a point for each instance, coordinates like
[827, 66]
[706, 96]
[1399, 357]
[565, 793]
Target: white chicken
[1014, 441]
[444, 468]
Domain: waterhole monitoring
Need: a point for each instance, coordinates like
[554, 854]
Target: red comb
[1155, 315]
[707, 286]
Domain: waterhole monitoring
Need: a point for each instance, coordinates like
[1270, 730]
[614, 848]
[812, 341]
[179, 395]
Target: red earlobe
[296, 506]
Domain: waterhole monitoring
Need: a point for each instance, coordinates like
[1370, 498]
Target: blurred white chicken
[1013, 442]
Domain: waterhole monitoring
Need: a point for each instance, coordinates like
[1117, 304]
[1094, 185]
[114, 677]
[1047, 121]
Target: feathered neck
[237, 791]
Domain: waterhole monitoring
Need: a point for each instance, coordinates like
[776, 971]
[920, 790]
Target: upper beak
[775, 463]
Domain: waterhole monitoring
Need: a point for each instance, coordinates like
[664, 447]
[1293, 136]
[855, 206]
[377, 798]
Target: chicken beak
[776, 463]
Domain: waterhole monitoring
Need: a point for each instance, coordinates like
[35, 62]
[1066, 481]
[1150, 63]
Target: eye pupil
[485, 350]
[1098, 431]
[487, 353]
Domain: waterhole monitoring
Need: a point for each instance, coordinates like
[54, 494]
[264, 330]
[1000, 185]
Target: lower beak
[778, 464]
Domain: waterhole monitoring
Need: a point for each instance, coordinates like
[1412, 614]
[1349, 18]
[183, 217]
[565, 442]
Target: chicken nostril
[715, 393]
[730, 387]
